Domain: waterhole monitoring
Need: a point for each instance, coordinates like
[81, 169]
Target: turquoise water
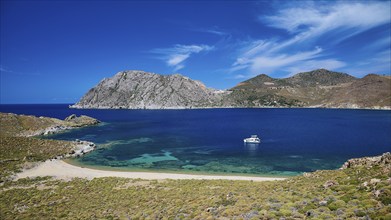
[211, 140]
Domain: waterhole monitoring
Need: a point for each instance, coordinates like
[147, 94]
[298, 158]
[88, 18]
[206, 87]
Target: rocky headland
[315, 89]
[143, 90]
[28, 125]
[21, 150]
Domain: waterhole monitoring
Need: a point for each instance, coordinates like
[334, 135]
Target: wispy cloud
[213, 30]
[5, 70]
[176, 56]
[311, 21]
[312, 29]
[376, 64]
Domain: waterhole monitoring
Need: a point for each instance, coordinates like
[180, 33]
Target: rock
[230, 195]
[329, 184]
[211, 209]
[250, 215]
[71, 117]
[81, 121]
[323, 203]
[384, 159]
[340, 212]
[377, 193]
[374, 181]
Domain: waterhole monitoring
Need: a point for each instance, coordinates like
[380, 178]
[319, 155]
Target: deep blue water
[211, 140]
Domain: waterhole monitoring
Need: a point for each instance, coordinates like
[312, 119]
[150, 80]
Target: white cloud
[214, 30]
[312, 21]
[268, 63]
[177, 59]
[380, 63]
[239, 76]
[306, 24]
[177, 55]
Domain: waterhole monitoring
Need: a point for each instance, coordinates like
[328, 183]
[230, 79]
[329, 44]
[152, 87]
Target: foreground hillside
[19, 150]
[318, 88]
[361, 190]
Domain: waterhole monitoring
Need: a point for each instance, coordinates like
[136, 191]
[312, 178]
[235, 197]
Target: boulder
[71, 117]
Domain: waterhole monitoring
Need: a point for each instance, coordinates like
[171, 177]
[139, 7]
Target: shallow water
[211, 140]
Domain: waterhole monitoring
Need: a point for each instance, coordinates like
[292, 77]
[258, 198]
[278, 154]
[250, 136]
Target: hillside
[18, 149]
[139, 89]
[318, 88]
[360, 191]
[28, 125]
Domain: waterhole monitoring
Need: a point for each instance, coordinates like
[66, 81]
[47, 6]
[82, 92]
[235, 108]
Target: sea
[210, 141]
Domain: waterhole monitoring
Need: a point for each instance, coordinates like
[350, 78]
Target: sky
[55, 51]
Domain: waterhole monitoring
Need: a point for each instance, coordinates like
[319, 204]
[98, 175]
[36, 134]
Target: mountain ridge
[318, 88]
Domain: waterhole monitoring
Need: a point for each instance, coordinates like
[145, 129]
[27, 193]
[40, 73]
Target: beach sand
[62, 170]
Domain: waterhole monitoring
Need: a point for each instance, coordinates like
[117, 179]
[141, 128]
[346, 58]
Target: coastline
[185, 172]
[232, 107]
[59, 169]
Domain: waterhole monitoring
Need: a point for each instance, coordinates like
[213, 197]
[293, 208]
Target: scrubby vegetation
[16, 152]
[351, 193]
[28, 125]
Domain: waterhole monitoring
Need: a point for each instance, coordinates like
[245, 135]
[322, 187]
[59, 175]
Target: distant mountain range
[319, 88]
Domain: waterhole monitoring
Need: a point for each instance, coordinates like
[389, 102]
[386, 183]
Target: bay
[211, 140]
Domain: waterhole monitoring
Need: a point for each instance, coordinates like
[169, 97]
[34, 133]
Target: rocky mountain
[318, 88]
[143, 90]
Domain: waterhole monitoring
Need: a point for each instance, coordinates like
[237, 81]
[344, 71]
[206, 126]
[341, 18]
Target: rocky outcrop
[383, 160]
[319, 88]
[81, 121]
[79, 149]
[28, 125]
[143, 90]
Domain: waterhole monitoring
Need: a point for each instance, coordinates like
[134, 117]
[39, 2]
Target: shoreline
[185, 172]
[59, 169]
[231, 107]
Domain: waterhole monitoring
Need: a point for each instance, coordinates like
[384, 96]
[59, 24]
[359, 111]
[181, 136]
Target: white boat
[253, 139]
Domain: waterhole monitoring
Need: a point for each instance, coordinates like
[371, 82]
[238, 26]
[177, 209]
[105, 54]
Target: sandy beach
[62, 170]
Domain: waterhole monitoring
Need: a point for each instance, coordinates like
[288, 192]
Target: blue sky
[55, 51]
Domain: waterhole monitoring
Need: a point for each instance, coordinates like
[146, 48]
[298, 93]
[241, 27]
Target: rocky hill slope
[318, 88]
[28, 125]
[18, 150]
[139, 90]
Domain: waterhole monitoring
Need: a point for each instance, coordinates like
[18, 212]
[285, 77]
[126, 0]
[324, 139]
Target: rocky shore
[20, 150]
[382, 160]
[80, 148]
[28, 125]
